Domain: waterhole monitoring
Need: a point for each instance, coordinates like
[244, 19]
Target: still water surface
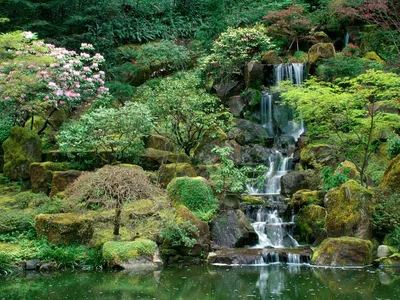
[203, 282]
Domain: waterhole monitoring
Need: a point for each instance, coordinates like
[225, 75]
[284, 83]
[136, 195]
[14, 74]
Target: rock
[236, 154]
[348, 169]
[160, 142]
[32, 264]
[349, 208]
[140, 254]
[41, 175]
[317, 155]
[391, 177]
[271, 58]
[321, 37]
[253, 75]
[293, 182]
[212, 139]
[21, 148]
[202, 245]
[48, 266]
[321, 50]
[343, 251]
[373, 56]
[232, 229]
[247, 132]
[61, 180]
[64, 229]
[255, 154]
[152, 159]
[226, 89]
[310, 223]
[383, 251]
[237, 106]
[390, 261]
[205, 170]
[194, 193]
[237, 256]
[253, 200]
[305, 197]
[170, 171]
[231, 201]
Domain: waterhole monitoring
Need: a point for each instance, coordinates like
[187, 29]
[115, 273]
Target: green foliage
[185, 111]
[332, 179]
[393, 145]
[179, 234]
[6, 262]
[113, 134]
[121, 251]
[12, 221]
[386, 216]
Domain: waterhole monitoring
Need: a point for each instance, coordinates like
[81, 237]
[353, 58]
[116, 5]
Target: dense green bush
[179, 234]
[393, 145]
[6, 262]
[16, 220]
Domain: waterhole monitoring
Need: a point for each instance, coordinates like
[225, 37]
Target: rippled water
[207, 282]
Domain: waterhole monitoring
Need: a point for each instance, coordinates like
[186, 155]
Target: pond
[207, 282]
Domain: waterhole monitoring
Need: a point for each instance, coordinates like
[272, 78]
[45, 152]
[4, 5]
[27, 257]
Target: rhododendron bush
[37, 79]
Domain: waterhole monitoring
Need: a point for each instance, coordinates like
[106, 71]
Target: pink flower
[86, 69]
[96, 76]
[59, 92]
[52, 84]
[77, 73]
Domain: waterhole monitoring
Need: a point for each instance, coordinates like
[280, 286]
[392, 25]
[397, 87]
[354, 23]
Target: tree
[185, 112]
[355, 113]
[112, 133]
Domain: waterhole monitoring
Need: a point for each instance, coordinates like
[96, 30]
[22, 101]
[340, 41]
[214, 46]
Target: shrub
[393, 145]
[16, 221]
[331, 180]
[179, 234]
[24, 199]
[6, 262]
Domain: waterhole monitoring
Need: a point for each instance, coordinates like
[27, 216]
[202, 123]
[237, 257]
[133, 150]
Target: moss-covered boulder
[246, 132]
[348, 169]
[391, 177]
[271, 58]
[389, 261]
[253, 75]
[321, 50]
[140, 254]
[349, 208]
[232, 229]
[202, 244]
[305, 197]
[293, 182]
[317, 155]
[168, 172]
[152, 159]
[343, 251]
[214, 138]
[252, 200]
[310, 223]
[373, 56]
[194, 193]
[64, 229]
[21, 148]
[41, 175]
[61, 180]
[159, 142]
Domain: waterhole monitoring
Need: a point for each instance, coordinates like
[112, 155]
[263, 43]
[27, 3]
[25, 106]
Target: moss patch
[391, 177]
[305, 197]
[170, 171]
[114, 252]
[41, 175]
[253, 200]
[310, 222]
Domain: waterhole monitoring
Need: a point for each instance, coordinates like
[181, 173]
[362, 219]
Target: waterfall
[346, 39]
[293, 72]
[266, 112]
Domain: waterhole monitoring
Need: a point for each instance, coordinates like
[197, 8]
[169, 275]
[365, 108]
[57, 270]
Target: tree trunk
[117, 219]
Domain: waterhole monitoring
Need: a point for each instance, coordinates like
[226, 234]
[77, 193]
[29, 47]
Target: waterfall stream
[273, 232]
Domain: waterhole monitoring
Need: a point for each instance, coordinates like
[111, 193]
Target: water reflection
[273, 281]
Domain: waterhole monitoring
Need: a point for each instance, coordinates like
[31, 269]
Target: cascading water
[273, 232]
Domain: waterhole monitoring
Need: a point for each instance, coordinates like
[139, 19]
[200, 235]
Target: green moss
[372, 56]
[349, 210]
[21, 148]
[12, 221]
[343, 251]
[305, 197]
[271, 58]
[349, 169]
[170, 171]
[252, 200]
[160, 142]
[194, 193]
[41, 175]
[321, 50]
[64, 229]
[391, 177]
[310, 222]
[122, 251]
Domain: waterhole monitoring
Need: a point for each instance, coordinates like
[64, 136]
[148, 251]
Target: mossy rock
[310, 223]
[348, 169]
[202, 245]
[317, 155]
[390, 261]
[194, 193]
[252, 200]
[349, 209]
[41, 175]
[321, 37]
[343, 251]
[152, 159]
[61, 180]
[168, 172]
[271, 58]
[215, 138]
[21, 148]
[128, 254]
[253, 74]
[321, 50]
[373, 56]
[305, 197]
[205, 170]
[159, 142]
[64, 229]
[391, 177]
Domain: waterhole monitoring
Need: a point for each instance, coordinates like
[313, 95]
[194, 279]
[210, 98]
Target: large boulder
[247, 132]
[140, 254]
[271, 58]
[152, 159]
[159, 142]
[293, 182]
[194, 193]
[391, 177]
[306, 197]
[237, 105]
[212, 139]
[253, 75]
[64, 229]
[343, 251]
[310, 223]
[41, 175]
[349, 211]
[170, 171]
[255, 154]
[21, 148]
[321, 50]
[232, 229]
[317, 155]
[61, 180]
